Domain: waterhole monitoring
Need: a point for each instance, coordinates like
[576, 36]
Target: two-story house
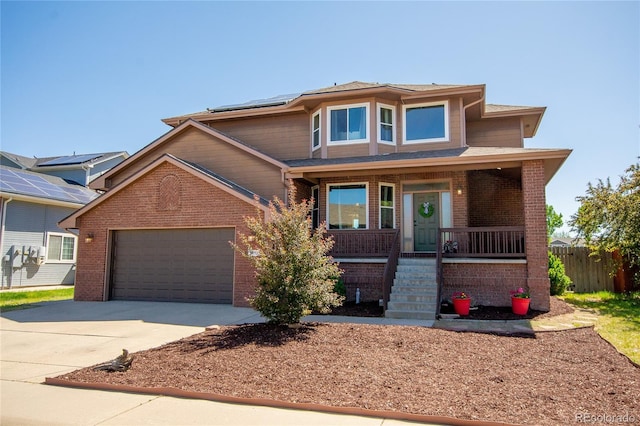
[426, 189]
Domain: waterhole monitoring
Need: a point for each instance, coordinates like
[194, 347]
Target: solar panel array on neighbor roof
[70, 159]
[20, 182]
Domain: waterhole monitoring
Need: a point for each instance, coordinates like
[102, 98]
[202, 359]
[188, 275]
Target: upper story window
[61, 248]
[426, 122]
[315, 132]
[386, 123]
[347, 206]
[348, 123]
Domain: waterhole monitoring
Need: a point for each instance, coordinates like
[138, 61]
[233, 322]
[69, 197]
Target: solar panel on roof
[26, 183]
[276, 100]
[70, 159]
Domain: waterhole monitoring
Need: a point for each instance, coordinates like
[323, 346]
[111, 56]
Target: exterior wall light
[459, 191]
[89, 238]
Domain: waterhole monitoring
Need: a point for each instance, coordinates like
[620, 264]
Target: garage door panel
[185, 265]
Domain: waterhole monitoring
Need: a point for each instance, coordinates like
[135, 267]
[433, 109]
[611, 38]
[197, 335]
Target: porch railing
[390, 268]
[362, 243]
[488, 242]
[483, 242]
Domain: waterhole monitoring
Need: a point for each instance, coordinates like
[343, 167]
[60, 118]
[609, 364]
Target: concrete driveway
[58, 337]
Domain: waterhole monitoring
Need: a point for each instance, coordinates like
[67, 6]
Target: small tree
[609, 218]
[295, 274]
[554, 221]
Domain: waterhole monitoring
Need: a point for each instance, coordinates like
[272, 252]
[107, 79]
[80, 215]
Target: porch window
[426, 122]
[61, 248]
[387, 206]
[386, 127]
[315, 125]
[315, 208]
[348, 123]
[347, 206]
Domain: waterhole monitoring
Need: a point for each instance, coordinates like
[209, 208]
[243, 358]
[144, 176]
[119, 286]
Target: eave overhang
[467, 159]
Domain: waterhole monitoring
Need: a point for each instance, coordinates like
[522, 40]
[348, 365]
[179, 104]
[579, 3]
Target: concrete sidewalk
[58, 337]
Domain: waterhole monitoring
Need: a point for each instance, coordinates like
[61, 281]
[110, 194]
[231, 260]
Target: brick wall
[141, 205]
[494, 199]
[488, 284]
[535, 214]
[367, 277]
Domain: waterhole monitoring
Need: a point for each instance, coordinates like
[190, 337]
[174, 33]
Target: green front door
[426, 220]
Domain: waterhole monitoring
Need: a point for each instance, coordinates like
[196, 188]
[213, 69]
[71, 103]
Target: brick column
[533, 193]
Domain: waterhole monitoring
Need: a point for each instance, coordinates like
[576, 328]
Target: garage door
[177, 265]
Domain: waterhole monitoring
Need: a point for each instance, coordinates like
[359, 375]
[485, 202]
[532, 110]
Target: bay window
[348, 123]
[386, 120]
[315, 126]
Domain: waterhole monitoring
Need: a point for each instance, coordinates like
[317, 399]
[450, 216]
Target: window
[426, 123]
[315, 135]
[348, 123]
[61, 248]
[387, 206]
[347, 206]
[315, 209]
[386, 127]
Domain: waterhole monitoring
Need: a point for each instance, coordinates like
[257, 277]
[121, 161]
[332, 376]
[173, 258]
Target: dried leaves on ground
[550, 379]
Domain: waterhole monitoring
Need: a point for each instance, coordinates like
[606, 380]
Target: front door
[426, 220]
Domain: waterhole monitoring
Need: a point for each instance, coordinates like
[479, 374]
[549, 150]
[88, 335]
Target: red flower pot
[461, 306]
[520, 305]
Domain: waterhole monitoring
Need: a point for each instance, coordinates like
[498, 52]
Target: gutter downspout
[464, 119]
[3, 218]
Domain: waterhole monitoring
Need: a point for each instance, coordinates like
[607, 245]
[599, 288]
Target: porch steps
[415, 291]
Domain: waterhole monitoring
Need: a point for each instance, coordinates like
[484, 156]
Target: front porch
[485, 262]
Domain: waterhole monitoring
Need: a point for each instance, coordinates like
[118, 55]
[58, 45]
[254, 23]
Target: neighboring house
[81, 169]
[35, 251]
[566, 242]
[424, 184]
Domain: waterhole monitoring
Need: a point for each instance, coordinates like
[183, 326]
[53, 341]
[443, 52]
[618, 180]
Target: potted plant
[520, 301]
[461, 303]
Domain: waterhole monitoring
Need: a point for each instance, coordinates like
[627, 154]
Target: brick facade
[535, 213]
[141, 204]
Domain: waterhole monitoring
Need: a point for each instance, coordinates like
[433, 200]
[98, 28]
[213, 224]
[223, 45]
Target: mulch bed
[547, 380]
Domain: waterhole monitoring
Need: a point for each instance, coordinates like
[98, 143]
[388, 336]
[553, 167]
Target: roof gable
[192, 168]
[100, 182]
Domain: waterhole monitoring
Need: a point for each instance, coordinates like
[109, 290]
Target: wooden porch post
[533, 183]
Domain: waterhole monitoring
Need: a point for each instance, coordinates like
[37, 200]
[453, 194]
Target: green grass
[618, 318]
[10, 301]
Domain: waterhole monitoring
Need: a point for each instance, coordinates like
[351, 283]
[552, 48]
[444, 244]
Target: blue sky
[98, 76]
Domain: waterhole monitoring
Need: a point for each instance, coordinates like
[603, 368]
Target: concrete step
[402, 287]
[414, 284]
[417, 261]
[419, 315]
[412, 276]
[413, 298]
[411, 306]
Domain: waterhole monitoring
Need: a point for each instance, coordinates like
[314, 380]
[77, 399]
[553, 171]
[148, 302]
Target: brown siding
[282, 137]
[139, 206]
[218, 156]
[504, 132]
[347, 150]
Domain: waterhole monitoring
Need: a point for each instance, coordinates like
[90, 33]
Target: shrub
[295, 274]
[557, 277]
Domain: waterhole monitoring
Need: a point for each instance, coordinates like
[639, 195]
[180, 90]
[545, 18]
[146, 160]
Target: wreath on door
[426, 209]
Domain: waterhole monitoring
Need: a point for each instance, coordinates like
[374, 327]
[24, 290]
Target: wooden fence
[588, 273]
